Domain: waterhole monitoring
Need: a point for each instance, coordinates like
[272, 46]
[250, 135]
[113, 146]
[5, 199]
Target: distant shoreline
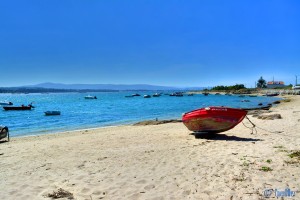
[18, 90]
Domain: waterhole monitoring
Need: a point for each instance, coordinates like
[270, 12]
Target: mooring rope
[255, 126]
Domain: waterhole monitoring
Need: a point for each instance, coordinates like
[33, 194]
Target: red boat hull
[213, 119]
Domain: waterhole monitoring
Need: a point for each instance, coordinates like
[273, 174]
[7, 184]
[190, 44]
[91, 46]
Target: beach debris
[156, 122]
[61, 193]
[276, 102]
[279, 146]
[102, 158]
[269, 117]
[239, 178]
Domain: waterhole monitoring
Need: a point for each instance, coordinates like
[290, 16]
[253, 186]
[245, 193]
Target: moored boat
[90, 97]
[6, 103]
[272, 94]
[147, 96]
[4, 132]
[176, 94]
[54, 112]
[22, 107]
[213, 119]
[136, 95]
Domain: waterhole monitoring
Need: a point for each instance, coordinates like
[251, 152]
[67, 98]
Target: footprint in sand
[149, 187]
[141, 182]
[85, 190]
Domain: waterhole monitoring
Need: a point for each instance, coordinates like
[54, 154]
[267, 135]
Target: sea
[109, 109]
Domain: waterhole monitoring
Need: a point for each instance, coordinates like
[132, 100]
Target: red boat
[213, 119]
[18, 107]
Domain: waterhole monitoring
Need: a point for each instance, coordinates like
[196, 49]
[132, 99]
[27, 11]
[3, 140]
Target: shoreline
[38, 125]
[36, 133]
[156, 161]
[135, 123]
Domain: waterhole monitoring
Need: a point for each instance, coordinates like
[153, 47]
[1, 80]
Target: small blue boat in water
[55, 112]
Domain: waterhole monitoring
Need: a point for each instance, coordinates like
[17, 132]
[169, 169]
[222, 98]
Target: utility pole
[296, 80]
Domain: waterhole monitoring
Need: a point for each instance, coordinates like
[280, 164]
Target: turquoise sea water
[111, 108]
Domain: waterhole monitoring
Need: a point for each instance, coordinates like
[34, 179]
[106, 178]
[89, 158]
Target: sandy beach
[156, 161]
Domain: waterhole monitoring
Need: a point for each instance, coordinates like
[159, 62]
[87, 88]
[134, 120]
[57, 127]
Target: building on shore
[275, 84]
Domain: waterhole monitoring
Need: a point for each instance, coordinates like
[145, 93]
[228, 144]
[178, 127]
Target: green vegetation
[266, 169]
[285, 87]
[295, 154]
[228, 88]
[269, 161]
[261, 83]
[246, 164]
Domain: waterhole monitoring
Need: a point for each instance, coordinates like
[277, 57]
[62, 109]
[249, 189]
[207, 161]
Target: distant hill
[45, 90]
[107, 87]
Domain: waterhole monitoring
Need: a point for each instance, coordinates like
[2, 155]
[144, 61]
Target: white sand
[155, 162]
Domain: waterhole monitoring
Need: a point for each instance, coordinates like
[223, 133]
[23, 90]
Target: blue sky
[172, 43]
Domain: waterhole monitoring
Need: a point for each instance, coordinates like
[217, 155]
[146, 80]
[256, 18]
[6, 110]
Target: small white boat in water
[55, 112]
[6, 103]
[90, 97]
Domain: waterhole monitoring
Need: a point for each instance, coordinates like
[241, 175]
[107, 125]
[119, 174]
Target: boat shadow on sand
[217, 136]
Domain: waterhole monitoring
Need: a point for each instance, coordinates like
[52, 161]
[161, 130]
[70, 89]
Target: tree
[232, 87]
[261, 83]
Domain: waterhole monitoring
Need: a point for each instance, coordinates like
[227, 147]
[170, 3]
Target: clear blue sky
[172, 43]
